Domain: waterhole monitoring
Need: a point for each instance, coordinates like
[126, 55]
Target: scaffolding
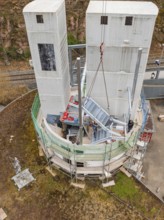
[65, 155]
[136, 154]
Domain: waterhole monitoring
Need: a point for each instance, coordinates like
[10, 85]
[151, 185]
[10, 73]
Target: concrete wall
[121, 44]
[153, 88]
[53, 85]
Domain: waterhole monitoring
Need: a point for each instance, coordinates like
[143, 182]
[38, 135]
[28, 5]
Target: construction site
[91, 116]
[98, 126]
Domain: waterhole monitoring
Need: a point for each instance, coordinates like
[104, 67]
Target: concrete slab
[153, 163]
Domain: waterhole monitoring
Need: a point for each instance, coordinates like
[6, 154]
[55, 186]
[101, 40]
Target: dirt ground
[52, 197]
[154, 159]
[14, 66]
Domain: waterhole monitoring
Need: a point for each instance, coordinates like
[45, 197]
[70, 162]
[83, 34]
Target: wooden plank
[41, 152]
[78, 185]
[115, 164]
[123, 170]
[52, 172]
[99, 170]
[89, 170]
[61, 163]
[110, 183]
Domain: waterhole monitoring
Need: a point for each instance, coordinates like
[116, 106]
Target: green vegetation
[126, 188]
[134, 194]
[27, 53]
[13, 54]
[71, 39]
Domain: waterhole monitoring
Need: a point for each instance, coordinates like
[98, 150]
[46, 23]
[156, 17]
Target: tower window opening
[128, 20]
[39, 19]
[104, 19]
[47, 57]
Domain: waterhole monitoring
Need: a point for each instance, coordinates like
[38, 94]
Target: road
[153, 161]
[148, 74]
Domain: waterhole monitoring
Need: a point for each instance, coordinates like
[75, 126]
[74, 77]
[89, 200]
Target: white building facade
[123, 29]
[47, 35]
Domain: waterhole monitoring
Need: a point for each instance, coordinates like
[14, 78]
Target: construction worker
[94, 127]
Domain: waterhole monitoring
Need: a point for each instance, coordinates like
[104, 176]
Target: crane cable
[101, 57]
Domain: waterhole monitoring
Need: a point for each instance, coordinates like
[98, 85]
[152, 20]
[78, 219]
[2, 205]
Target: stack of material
[23, 178]
[70, 116]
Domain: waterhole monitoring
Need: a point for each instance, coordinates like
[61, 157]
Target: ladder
[99, 115]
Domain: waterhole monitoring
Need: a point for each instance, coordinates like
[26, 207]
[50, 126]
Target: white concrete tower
[124, 27]
[47, 34]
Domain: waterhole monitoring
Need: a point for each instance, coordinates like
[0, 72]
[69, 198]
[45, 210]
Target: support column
[79, 99]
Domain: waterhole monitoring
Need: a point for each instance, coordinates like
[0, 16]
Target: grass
[126, 188]
[135, 194]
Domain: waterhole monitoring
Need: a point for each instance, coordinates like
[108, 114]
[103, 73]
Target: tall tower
[123, 29]
[47, 34]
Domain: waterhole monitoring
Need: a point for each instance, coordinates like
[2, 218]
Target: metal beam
[135, 79]
[129, 100]
[77, 46]
[118, 121]
[70, 64]
[79, 99]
